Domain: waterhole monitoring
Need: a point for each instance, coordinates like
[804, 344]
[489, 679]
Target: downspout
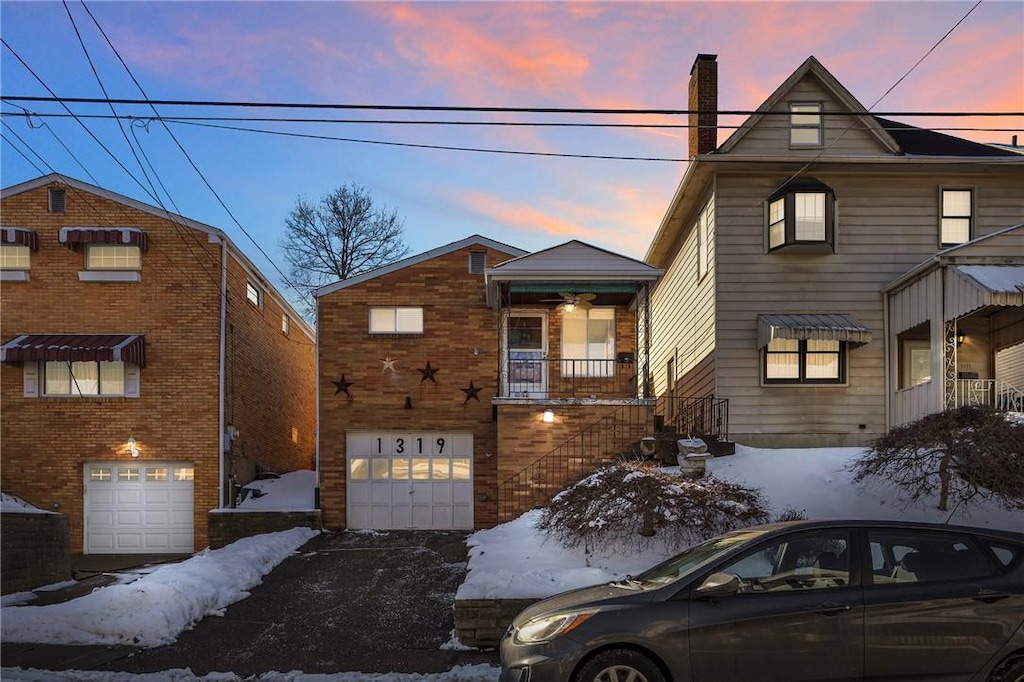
[316, 430]
[887, 352]
[222, 361]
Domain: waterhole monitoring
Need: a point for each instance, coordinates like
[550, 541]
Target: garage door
[138, 507]
[410, 480]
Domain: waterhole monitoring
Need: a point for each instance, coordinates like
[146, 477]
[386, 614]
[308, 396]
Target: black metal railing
[599, 443]
[568, 378]
[705, 417]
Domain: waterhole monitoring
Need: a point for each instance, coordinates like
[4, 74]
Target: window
[588, 342]
[805, 124]
[254, 294]
[956, 222]
[57, 200]
[84, 378]
[808, 562]
[184, 473]
[703, 229]
[128, 474]
[477, 262]
[915, 557]
[157, 474]
[809, 361]
[286, 324]
[396, 320]
[112, 257]
[917, 363]
[100, 474]
[15, 257]
[801, 214]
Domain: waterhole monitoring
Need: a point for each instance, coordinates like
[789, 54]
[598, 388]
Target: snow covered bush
[621, 501]
[959, 455]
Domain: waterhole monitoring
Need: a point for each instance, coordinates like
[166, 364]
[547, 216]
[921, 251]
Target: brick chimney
[703, 99]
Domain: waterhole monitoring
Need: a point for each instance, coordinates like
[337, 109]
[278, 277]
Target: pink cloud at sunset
[519, 216]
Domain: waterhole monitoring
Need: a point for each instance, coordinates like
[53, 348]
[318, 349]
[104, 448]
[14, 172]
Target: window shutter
[131, 380]
[31, 379]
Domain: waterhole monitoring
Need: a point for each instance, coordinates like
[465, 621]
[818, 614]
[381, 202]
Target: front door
[525, 371]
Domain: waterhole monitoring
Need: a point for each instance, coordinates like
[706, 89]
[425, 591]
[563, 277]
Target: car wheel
[620, 665]
[1010, 670]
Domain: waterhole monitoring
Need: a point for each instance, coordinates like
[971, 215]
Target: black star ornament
[343, 385]
[428, 372]
[471, 392]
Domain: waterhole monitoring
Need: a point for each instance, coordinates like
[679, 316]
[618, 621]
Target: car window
[805, 562]
[680, 565]
[1004, 553]
[920, 556]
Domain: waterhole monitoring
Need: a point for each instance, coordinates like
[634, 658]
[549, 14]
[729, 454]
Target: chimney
[703, 99]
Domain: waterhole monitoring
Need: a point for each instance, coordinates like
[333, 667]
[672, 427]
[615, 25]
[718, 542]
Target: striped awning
[821, 326]
[104, 235]
[75, 348]
[19, 236]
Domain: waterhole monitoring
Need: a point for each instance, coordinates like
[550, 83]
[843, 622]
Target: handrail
[704, 417]
[996, 393]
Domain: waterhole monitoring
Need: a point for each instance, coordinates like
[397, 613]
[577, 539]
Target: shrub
[960, 454]
[630, 499]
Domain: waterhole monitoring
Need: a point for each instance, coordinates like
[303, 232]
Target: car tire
[620, 665]
[1010, 670]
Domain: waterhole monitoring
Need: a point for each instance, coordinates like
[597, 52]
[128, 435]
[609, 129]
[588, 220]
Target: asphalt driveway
[352, 601]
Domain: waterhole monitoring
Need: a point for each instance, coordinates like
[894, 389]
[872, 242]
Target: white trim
[110, 276]
[13, 275]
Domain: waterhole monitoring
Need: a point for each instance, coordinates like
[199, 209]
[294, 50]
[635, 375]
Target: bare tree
[958, 455]
[342, 235]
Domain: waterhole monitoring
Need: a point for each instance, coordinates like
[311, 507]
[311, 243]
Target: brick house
[453, 384]
[832, 274]
[147, 368]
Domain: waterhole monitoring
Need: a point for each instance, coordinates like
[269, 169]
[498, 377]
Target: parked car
[806, 600]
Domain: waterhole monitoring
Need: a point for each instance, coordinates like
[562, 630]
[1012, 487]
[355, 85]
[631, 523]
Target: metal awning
[993, 284]
[20, 237]
[129, 236]
[821, 326]
[75, 348]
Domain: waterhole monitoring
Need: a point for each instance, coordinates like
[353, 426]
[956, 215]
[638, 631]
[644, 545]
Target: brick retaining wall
[482, 622]
[229, 525]
[34, 551]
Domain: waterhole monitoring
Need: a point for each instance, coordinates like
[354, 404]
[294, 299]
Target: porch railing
[992, 392]
[599, 443]
[704, 417]
[568, 378]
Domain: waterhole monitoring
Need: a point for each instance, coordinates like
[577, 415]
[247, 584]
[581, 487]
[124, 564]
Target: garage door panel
[462, 493]
[441, 493]
[157, 517]
[380, 493]
[359, 492]
[131, 496]
[442, 517]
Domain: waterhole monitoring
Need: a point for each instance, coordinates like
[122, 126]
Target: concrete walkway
[369, 602]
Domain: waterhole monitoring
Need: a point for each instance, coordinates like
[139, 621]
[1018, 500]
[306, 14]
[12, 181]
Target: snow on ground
[157, 607]
[467, 673]
[291, 492]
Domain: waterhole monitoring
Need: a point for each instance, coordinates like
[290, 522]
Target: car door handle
[989, 596]
[831, 608]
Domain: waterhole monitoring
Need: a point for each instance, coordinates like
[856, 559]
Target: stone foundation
[229, 525]
[482, 622]
[34, 551]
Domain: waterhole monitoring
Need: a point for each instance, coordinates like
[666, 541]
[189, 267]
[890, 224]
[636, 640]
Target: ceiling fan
[569, 302]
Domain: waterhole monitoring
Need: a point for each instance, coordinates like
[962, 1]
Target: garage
[138, 507]
[409, 480]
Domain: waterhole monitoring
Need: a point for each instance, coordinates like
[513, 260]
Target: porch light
[549, 416]
[133, 446]
[568, 306]
[960, 338]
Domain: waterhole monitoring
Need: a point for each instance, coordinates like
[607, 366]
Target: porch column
[949, 350]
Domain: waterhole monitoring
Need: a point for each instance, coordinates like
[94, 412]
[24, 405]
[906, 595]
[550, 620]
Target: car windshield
[693, 558]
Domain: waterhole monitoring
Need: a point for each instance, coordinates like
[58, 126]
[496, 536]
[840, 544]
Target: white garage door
[410, 480]
[138, 507]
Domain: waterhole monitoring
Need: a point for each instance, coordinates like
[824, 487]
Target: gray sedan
[837, 600]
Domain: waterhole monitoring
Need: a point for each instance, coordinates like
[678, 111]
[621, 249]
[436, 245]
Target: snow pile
[290, 492]
[156, 608]
[462, 673]
[10, 503]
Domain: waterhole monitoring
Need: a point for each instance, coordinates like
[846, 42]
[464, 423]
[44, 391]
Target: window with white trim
[286, 324]
[254, 294]
[81, 379]
[703, 231]
[806, 124]
[801, 214]
[588, 342]
[15, 257]
[113, 257]
[956, 222]
[393, 320]
[804, 361]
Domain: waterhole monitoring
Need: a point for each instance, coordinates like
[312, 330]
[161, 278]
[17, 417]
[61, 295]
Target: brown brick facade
[46, 441]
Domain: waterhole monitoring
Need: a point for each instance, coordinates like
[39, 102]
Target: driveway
[352, 601]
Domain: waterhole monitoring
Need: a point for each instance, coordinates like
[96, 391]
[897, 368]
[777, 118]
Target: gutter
[316, 427]
[222, 362]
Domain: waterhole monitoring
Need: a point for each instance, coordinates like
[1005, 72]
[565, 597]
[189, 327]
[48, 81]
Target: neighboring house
[459, 387]
[148, 368]
[780, 243]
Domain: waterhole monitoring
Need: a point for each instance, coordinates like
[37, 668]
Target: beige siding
[1010, 366]
[683, 312]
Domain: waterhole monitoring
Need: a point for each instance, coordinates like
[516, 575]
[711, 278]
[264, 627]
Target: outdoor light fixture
[960, 337]
[133, 446]
[569, 307]
[549, 416]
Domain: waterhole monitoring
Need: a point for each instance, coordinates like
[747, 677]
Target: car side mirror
[719, 585]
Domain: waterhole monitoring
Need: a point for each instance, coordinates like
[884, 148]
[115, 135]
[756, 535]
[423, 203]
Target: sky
[624, 55]
[512, 560]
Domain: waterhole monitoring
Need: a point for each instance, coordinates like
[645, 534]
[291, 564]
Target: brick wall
[33, 551]
[228, 526]
[482, 622]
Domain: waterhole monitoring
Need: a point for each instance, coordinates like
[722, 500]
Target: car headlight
[547, 628]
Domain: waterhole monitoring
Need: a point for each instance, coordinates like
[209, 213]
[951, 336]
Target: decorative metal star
[343, 385]
[389, 365]
[471, 392]
[428, 372]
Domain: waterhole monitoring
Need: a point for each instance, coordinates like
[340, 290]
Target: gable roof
[813, 67]
[474, 240]
[923, 142]
[574, 260]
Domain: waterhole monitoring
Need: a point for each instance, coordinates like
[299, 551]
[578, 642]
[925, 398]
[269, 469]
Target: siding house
[459, 387]
[148, 368]
[831, 273]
